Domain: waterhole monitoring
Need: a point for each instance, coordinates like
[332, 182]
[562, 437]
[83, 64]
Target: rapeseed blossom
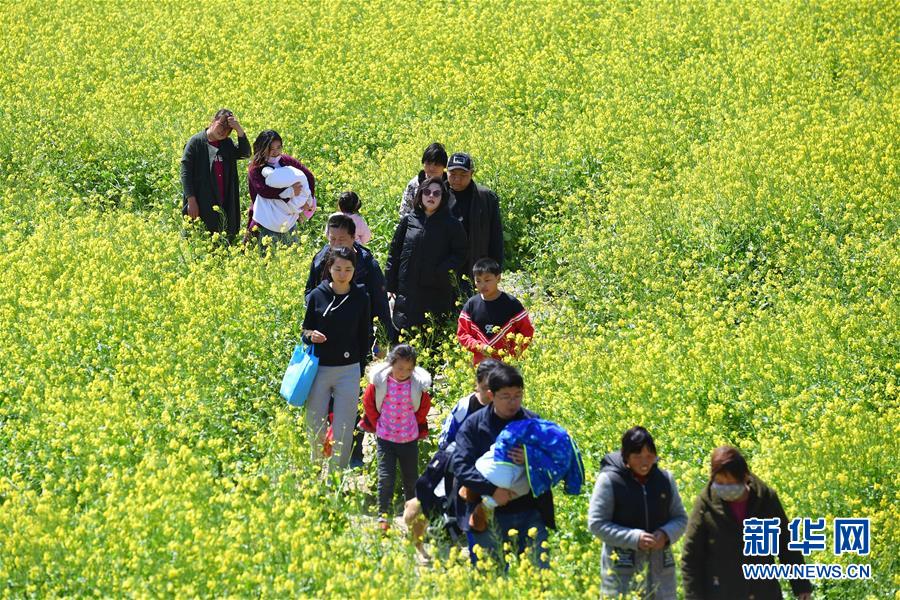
[700, 206]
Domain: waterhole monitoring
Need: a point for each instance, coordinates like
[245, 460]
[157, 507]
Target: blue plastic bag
[299, 376]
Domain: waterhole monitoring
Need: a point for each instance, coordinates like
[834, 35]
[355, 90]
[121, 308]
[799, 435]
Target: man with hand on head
[209, 176]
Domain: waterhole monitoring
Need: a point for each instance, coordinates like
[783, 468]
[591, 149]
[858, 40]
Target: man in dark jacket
[478, 209]
[209, 176]
[528, 515]
[341, 232]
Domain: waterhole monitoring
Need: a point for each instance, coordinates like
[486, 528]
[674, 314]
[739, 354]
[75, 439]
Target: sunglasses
[435, 193]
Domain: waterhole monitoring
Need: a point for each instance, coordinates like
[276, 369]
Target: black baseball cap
[460, 160]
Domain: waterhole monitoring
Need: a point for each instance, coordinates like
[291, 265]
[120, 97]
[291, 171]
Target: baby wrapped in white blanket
[282, 213]
[286, 177]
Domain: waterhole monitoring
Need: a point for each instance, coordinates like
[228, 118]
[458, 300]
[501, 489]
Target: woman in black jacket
[427, 248]
[337, 322]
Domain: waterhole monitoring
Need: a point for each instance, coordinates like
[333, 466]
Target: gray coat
[621, 559]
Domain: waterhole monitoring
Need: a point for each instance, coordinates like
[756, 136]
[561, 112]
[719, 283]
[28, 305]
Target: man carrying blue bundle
[550, 455]
[528, 513]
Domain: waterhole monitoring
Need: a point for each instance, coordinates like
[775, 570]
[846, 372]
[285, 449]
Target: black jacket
[637, 506]
[345, 322]
[367, 274]
[485, 234]
[424, 255]
[198, 179]
[712, 554]
[473, 439]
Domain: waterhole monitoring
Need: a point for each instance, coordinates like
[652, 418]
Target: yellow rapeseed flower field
[700, 205]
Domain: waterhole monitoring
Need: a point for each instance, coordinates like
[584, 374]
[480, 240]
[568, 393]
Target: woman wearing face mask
[274, 211]
[637, 512]
[429, 244]
[712, 555]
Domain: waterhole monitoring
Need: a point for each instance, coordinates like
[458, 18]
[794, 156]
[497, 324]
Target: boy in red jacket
[493, 324]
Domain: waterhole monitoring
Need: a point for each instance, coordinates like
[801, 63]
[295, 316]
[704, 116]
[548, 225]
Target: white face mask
[729, 492]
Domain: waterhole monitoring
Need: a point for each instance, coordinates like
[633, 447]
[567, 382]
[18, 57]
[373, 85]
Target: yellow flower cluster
[700, 205]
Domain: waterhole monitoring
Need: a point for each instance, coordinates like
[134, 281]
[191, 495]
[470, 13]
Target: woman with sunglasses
[428, 247]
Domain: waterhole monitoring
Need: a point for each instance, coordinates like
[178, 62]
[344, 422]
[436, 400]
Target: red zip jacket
[502, 336]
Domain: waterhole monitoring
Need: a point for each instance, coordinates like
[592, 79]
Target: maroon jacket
[257, 183]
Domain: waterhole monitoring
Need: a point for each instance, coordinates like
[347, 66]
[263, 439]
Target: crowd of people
[497, 461]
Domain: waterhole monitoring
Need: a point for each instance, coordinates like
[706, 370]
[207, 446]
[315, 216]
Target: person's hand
[193, 210]
[235, 124]
[467, 494]
[646, 541]
[316, 336]
[502, 496]
[661, 539]
[517, 455]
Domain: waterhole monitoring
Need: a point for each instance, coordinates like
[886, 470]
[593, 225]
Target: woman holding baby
[282, 190]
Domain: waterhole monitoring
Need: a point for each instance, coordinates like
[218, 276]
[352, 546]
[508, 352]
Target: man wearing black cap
[478, 208]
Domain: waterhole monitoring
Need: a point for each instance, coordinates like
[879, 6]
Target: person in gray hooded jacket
[637, 512]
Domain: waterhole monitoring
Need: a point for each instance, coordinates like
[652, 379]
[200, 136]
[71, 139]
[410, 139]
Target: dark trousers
[389, 454]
